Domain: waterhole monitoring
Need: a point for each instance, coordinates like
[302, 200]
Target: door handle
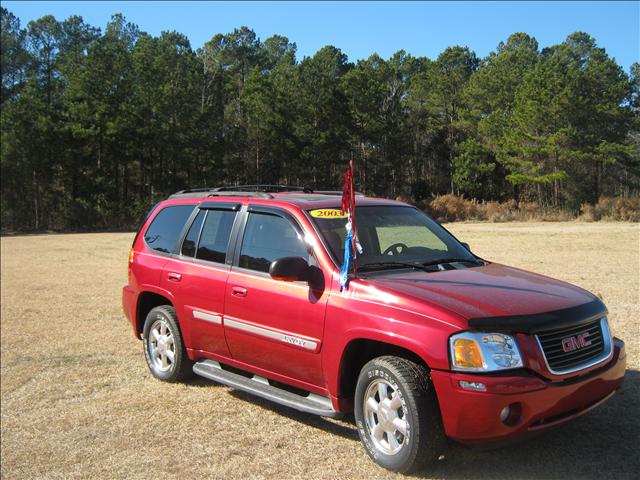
[238, 292]
[174, 277]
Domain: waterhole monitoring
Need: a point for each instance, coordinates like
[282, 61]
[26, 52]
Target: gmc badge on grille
[570, 344]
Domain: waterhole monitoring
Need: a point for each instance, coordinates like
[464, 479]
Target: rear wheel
[397, 414]
[163, 346]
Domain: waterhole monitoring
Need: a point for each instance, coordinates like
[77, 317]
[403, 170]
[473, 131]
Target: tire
[164, 349]
[409, 417]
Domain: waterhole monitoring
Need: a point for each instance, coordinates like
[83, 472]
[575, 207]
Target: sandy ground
[78, 401]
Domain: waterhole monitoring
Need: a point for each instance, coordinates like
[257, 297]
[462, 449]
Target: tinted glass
[191, 240]
[214, 238]
[162, 235]
[389, 233]
[144, 220]
[267, 238]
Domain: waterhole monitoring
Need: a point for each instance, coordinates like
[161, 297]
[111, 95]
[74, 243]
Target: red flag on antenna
[348, 191]
[349, 207]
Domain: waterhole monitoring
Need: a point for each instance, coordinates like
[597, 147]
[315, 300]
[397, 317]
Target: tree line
[98, 125]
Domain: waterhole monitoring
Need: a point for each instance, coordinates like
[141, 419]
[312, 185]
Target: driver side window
[392, 238]
[268, 237]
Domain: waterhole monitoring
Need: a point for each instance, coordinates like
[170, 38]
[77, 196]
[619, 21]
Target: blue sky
[361, 28]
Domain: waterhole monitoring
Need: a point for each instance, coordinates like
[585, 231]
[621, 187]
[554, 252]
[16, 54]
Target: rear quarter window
[162, 235]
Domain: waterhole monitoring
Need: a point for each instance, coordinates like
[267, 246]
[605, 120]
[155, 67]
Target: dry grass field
[78, 401]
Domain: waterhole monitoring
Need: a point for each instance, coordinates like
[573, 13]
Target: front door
[270, 324]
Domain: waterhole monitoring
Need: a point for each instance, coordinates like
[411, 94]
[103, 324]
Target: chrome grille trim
[605, 355]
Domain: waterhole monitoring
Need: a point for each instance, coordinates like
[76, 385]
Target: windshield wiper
[376, 265]
[417, 265]
[450, 260]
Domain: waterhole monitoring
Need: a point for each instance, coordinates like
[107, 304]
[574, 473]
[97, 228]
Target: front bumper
[474, 417]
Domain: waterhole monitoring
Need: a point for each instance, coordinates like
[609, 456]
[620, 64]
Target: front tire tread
[428, 440]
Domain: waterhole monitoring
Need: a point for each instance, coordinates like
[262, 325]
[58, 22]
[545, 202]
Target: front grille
[561, 361]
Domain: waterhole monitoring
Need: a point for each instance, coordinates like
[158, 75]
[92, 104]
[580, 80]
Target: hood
[489, 291]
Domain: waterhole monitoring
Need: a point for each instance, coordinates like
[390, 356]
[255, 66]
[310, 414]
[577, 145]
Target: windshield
[391, 234]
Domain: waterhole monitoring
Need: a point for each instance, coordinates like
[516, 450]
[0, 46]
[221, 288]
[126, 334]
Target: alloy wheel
[161, 345]
[385, 417]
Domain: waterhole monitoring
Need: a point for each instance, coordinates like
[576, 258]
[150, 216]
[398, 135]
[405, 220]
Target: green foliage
[569, 123]
[475, 170]
[96, 126]
[15, 57]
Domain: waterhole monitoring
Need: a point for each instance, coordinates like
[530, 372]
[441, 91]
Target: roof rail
[335, 192]
[263, 188]
[259, 191]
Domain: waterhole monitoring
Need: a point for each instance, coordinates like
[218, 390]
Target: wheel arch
[147, 300]
[359, 351]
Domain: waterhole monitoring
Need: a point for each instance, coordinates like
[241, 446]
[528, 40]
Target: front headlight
[484, 352]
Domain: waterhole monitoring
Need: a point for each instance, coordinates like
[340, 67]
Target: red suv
[426, 341]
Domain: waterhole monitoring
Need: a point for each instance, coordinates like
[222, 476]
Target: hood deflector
[540, 322]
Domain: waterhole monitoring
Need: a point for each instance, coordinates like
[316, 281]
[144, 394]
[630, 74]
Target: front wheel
[163, 346]
[397, 414]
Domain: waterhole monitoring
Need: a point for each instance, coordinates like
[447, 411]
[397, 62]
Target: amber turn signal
[467, 353]
[131, 256]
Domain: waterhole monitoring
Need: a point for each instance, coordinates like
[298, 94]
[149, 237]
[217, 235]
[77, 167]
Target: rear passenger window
[214, 238]
[267, 238]
[191, 240]
[162, 235]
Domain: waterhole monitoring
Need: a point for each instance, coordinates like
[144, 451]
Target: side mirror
[290, 269]
[466, 245]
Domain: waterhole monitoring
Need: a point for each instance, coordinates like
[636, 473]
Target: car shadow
[601, 444]
[200, 382]
[344, 427]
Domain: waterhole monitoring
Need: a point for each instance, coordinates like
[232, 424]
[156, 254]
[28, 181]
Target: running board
[260, 387]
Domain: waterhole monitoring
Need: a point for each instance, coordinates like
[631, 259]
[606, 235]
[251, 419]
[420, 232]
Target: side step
[260, 387]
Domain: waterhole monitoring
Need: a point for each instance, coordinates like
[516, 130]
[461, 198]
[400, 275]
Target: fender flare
[149, 288]
[334, 362]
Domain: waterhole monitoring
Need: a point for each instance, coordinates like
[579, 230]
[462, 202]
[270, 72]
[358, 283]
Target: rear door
[197, 274]
[274, 325]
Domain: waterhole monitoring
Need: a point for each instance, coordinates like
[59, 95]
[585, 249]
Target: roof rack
[264, 188]
[259, 191]
[335, 192]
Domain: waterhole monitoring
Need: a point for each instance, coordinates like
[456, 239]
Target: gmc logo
[570, 344]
